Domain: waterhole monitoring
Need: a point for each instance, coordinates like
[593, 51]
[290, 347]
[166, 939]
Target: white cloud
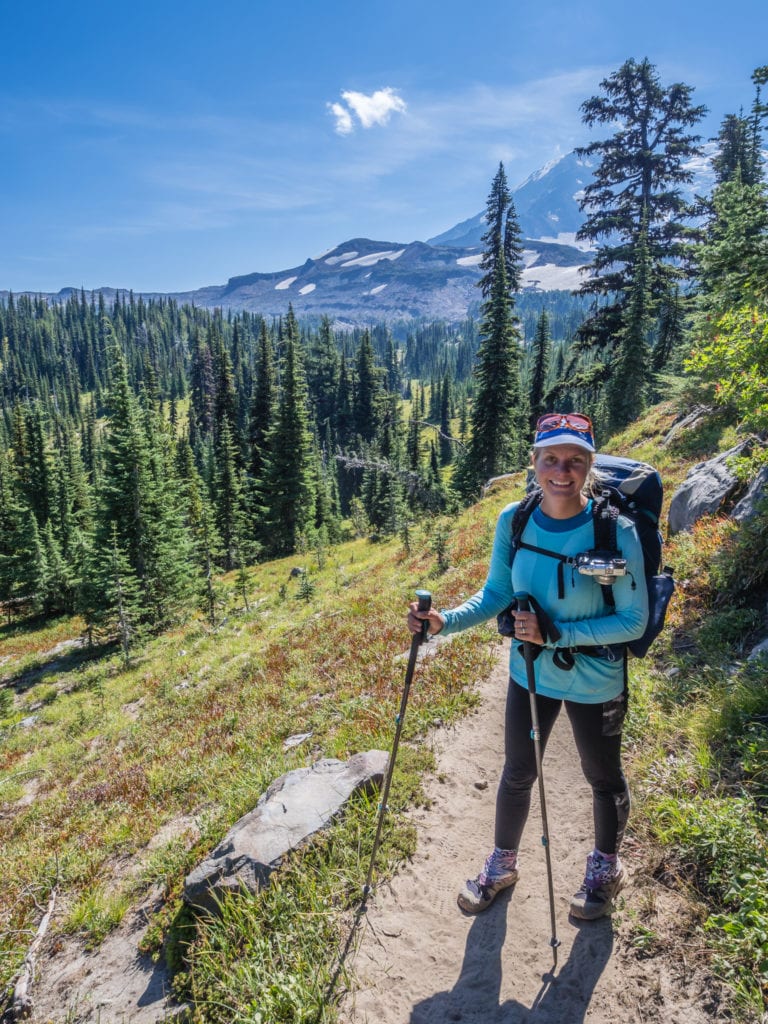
[343, 117]
[375, 109]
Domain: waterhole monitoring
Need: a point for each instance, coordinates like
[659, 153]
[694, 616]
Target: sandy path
[420, 960]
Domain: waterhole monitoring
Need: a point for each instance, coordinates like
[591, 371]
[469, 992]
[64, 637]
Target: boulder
[759, 651]
[293, 808]
[705, 489]
[689, 421]
[758, 490]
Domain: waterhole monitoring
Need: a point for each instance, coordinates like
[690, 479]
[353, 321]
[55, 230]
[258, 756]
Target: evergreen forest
[146, 447]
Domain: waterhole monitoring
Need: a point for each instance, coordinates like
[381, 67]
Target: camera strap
[563, 560]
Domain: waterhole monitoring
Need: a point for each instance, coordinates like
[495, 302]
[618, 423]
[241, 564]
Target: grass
[103, 767]
[96, 760]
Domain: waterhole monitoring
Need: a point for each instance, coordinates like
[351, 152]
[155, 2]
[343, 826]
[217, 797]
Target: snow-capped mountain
[362, 281]
[547, 205]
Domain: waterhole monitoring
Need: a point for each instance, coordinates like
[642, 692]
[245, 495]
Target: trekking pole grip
[523, 601]
[425, 603]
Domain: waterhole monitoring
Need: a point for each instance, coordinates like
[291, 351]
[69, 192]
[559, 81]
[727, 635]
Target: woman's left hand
[527, 628]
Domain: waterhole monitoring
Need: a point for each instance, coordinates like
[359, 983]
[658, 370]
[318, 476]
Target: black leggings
[597, 732]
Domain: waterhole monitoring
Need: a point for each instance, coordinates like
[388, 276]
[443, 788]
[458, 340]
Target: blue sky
[164, 146]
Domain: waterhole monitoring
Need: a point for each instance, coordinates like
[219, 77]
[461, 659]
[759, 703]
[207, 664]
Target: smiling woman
[565, 656]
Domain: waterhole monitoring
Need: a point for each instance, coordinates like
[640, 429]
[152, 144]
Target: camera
[604, 566]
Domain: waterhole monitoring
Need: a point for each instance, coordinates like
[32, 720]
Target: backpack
[629, 488]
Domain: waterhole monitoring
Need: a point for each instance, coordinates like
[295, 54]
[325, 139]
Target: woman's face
[561, 472]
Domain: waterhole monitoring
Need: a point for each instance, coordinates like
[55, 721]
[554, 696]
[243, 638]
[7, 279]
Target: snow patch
[541, 172]
[470, 261]
[333, 260]
[529, 256]
[567, 238]
[374, 257]
[281, 287]
[377, 289]
[307, 289]
[551, 277]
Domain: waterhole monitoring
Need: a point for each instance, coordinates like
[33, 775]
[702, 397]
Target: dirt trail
[419, 960]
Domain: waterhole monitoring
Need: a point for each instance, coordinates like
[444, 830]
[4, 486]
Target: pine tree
[113, 604]
[733, 261]
[501, 237]
[497, 444]
[627, 389]
[200, 521]
[367, 392]
[446, 398]
[323, 376]
[642, 166]
[671, 333]
[230, 519]
[737, 154]
[540, 354]
[289, 474]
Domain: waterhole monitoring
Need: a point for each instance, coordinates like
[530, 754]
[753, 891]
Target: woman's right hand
[416, 619]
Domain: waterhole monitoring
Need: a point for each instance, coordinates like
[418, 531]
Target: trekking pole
[523, 603]
[425, 603]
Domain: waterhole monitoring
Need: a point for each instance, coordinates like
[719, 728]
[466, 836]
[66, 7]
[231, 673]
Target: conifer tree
[627, 390]
[498, 442]
[446, 398]
[413, 445]
[230, 520]
[323, 377]
[367, 391]
[642, 167]
[112, 601]
[200, 521]
[540, 356]
[289, 491]
[671, 333]
[262, 403]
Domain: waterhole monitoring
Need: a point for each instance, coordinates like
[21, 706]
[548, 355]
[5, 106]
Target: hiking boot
[603, 881]
[499, 873]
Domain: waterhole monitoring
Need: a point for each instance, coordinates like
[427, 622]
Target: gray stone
[760, 651]
[293, 808]
[687, 422]
[758, 490]
[705, 489]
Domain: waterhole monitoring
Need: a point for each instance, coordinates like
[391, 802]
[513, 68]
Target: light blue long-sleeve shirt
[582, 615]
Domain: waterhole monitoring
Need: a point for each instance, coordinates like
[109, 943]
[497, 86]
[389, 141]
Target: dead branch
[21, 1006]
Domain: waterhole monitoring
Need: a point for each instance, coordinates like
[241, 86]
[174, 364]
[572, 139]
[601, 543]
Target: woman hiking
[577, 671]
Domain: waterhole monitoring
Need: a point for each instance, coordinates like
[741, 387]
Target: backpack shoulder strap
[520, 518]
[605, 514]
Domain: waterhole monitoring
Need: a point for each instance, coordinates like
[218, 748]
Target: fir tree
[229, 511]
[289, 474]
[446, 398]
[641, 170]
[539, 373]
[113, 604]
[497, 443]
[627, 390]
[367, 391]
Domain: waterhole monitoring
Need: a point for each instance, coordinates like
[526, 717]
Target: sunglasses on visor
[558, 420]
